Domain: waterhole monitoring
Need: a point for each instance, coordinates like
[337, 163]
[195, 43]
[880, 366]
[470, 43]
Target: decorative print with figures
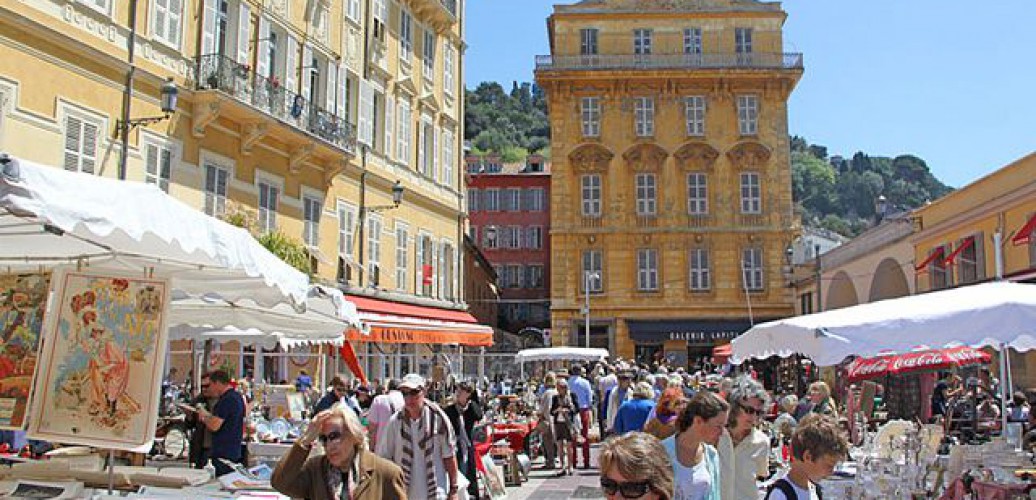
[99, 376]
[23, 298]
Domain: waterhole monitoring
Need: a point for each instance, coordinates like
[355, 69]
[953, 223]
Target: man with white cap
[420, 439]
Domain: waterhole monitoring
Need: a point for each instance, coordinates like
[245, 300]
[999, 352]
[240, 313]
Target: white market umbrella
[561, 354]
[997, 314]
[326, 318]
[49, 217]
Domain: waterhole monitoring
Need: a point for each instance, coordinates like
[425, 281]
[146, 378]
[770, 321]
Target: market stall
[997, 314]
[111, 255]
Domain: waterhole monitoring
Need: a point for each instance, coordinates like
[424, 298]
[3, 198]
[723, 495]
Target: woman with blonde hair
[564, 409]
[669, 406]
[546, 423]
[346, 468]
[635, 465]
[820, 396]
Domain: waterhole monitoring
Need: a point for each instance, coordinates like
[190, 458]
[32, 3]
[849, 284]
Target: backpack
[788, 490]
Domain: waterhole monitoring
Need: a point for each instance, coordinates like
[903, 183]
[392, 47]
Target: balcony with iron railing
[267, 95]
[592, 62]
[437, 11]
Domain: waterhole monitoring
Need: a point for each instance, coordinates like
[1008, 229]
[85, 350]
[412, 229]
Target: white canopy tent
[985, 315]
[326, 318]
[49, 216]
[998, 314]
[559, 354]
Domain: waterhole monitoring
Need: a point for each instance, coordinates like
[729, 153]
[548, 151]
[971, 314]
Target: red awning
[936, 254]
[913, 362]
[349, 356]
[963, 245]
[398, 323]
[1024, 235]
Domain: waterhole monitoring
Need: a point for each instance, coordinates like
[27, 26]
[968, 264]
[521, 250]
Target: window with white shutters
[366, 125]
[402, 256]
[644, 116]
[80, 144]
[166, 16]
[694, 113]
[647, 193]
[429, 55]
[591, 195]
[590, 111]
[647, 270]
[405, 126]
[158, 165]
[752, 269]
[406, 36]
[593, 264]
[379, 15]
[751, 197]
[390, 126]
[700, 275]
[448, 157]
[216, 181]
[311, 208]
[748, 114]
[697, 194]
[352, 10]
[449, 272]
[269, 199]
[346, 229]
[374, 248]
[448, 69]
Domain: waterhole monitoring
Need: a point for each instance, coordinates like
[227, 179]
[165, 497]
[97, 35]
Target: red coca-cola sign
[939, 359]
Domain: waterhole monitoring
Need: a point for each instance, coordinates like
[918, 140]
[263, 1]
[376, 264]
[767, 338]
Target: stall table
[987, 490]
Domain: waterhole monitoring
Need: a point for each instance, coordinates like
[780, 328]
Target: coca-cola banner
[919, 361]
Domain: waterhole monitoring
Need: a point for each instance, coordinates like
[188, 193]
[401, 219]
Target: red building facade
[509, 214]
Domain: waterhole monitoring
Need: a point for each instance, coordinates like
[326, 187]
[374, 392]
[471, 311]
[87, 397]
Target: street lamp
[588, 276]
[170, 92]
[397, 198]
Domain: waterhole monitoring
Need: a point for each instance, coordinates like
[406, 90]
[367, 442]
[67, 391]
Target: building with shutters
[302, 114]
[671, 199]
[510, 223]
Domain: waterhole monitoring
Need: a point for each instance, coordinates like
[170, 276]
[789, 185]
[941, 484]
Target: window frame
[751, 193]
[743, 40]
[402, 231]
[163, 37]
[591, 188]
[429, 42]
[312, 205]
[491, 199]
[268, 222]
[86, 120]
[588, 42]
[642, 40]
[406, 36]
[697, 193]
[699, 270]
[647, 270]
[748, 114]
[752, 269]
[162, 177]
[646, 194]
[534, 237]
[346, 228]
[593, 262]
[374, 226]
[644, 116]
[590, 116]
[692, 41]
[694, 115]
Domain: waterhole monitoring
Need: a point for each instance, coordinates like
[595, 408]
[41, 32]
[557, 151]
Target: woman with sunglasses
[744, 450]
[635, 465]
[346, 469]
[696, 466]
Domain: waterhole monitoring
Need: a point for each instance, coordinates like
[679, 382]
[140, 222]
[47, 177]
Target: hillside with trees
[832, 192]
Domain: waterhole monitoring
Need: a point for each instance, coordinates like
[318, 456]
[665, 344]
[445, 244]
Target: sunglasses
[330, 437]
[635, 489]
[408, 392]
[751, 411]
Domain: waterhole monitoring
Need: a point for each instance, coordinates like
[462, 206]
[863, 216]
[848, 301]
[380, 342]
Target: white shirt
[690, 483]
[800, 493]
[607, 382]
[743, 464]
[444, 445]
[384, 406]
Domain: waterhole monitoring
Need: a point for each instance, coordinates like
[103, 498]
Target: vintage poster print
[23, 298]
[100, 370]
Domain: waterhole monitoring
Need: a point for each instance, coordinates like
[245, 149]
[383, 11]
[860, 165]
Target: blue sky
[952, 82]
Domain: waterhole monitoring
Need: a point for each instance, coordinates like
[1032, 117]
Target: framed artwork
[23, 298]
[99, 377]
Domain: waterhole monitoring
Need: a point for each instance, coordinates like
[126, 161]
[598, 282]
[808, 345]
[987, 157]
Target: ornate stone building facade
[671, 187]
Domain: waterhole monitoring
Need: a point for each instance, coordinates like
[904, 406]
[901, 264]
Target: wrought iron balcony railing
[218, 72]
[755, 60]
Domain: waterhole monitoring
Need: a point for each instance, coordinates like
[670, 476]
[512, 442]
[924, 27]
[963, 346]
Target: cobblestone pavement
[547, 485]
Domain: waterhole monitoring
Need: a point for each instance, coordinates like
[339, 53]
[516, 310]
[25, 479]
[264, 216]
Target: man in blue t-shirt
[226, 421]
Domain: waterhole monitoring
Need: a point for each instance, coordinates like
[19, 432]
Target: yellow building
[302, 113]
[671, 183]
[958, 236]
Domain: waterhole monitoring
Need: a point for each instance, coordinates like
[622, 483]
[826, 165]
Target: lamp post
[881, 206]
[588, 276]
[397, 198]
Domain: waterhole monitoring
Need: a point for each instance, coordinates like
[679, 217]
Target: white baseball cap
[412, 381]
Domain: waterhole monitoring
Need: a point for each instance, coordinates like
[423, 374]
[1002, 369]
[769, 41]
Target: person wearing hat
[620, 394]
[421, 440]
